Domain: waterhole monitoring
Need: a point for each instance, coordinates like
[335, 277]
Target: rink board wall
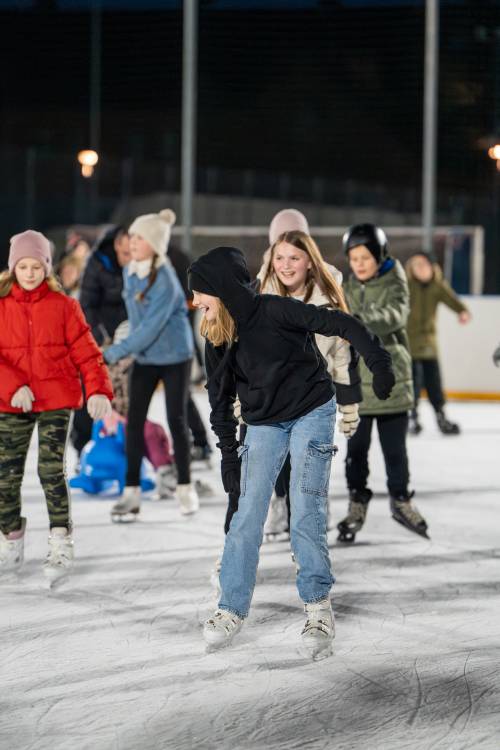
[466, 350]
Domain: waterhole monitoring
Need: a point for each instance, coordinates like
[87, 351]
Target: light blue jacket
[160, 333]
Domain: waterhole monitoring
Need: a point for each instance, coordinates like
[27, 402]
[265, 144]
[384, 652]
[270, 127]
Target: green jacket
[383, 305]
[424, 299]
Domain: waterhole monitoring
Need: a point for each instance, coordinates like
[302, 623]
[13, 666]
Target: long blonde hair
[222, 330]
[318, 275]
[7, 280]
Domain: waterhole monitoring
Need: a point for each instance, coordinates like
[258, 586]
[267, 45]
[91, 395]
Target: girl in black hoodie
[261, 348]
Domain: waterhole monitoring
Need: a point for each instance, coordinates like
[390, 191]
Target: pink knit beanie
[288, 220]
[30, 244]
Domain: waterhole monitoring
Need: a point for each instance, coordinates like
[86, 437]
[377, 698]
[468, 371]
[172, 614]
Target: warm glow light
[494, 152]
[88, 159]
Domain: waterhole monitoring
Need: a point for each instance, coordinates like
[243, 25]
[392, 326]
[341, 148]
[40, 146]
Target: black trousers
[143, 382]
[392, 429]
[196, 425]
[426, 374]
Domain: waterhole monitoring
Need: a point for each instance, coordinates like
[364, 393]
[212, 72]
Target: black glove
[230, 469]
[383, 383]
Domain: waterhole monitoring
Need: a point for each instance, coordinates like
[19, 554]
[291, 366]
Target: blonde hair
[7, 279]
[318, 275]
[222, 330]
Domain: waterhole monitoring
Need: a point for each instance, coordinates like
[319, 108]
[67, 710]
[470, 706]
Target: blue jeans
[309, 439]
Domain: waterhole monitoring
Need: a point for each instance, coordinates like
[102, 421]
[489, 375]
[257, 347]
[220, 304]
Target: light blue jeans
[309, 439]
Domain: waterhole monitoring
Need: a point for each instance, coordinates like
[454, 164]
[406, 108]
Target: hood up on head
[223, 273]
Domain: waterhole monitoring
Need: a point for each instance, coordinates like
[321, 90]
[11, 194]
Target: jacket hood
[438, 274]
[223, 273]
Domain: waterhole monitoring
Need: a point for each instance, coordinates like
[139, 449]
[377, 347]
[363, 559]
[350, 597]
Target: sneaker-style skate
[414, 426]
[187, 498]
[12, 549]
[276, 526]
[356, 515]
[201, 454]
[166, 482]
[127, 509]
[444, 424]
[220, 629]
[59, 560]
[319, 630]
[405, 513]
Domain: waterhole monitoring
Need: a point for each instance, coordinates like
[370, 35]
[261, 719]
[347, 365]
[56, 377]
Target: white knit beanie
[288, 220]
[155, 229]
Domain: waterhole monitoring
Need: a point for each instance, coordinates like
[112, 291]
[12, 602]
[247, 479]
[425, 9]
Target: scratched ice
[115, 660]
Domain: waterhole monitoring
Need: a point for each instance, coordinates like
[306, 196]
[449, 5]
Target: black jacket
[274, 367]
[101, 290]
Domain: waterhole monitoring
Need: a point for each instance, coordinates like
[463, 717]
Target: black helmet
[369, 235]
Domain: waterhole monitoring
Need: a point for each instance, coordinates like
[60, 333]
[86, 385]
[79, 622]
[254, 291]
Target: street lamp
[88, 159]
[494, 153]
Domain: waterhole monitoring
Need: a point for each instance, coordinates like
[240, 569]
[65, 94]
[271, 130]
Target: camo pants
[15, 436]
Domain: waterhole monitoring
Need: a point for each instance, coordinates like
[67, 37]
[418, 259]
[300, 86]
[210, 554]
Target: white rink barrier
[466, 351]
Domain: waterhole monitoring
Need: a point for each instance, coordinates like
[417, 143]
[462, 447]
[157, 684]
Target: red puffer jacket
[45, 343]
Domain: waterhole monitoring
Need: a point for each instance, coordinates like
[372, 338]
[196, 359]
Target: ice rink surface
[115, 659]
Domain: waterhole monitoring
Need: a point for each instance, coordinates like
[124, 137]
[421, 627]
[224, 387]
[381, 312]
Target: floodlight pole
[189, 83]
[430, 122]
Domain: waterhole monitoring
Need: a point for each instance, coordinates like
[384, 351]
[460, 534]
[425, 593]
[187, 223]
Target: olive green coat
[424, 299]
[382, 303]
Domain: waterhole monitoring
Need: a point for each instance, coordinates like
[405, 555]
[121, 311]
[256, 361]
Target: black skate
[405, 513]
[414, 426]
[356, 515]
[444, 424]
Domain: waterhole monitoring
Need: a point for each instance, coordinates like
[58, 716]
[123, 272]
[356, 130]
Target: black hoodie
[274, 367]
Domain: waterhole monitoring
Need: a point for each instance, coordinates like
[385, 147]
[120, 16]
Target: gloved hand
[383, 383]
[230, 469]
[23, 399]
[496, 356]
[98, 406]
[350, 419]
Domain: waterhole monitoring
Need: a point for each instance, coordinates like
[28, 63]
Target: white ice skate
[127, 509]
[276, 527]
[319, 631]
[220, 629]
[59, 560]
[188, 499]
[166, 482]
[12, 550]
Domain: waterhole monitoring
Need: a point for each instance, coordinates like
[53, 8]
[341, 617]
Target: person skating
[161, 342]
[428, 289]
[261, 349]
[377, 294]
[45, 346]
[294, 267]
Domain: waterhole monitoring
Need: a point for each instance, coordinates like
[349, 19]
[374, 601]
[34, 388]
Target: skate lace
[224, 619]
[321, 619]
[356, 512]
[60, 552]
[409, 511]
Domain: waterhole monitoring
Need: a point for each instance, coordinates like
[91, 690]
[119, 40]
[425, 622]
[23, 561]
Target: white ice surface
[115, 659]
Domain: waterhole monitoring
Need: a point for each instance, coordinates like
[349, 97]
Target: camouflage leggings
[15, 435]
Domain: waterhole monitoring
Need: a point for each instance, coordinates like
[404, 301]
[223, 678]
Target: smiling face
[29, 273]
[140, 249]
[207, 304]
[363, 264]
[291, 266]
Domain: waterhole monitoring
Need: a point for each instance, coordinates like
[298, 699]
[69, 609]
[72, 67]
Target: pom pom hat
[30, 244]
[155, 229]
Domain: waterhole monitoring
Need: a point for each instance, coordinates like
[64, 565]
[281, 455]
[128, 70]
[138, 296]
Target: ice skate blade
[53, 578]
[318, 651]
[124, 517]
[420, 532]
[345, 535]
[279, 536]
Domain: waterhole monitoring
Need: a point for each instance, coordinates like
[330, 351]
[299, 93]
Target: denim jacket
[160, 333]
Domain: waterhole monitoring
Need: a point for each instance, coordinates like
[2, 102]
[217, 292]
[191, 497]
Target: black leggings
[143, 381]
[392, 429]
[426, 374]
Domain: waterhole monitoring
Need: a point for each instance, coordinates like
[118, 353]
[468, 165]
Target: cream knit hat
[155, 229]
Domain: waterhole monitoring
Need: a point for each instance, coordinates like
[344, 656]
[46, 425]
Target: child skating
[261, 349]
[45, 346]
[377, 294]
[427, 290]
